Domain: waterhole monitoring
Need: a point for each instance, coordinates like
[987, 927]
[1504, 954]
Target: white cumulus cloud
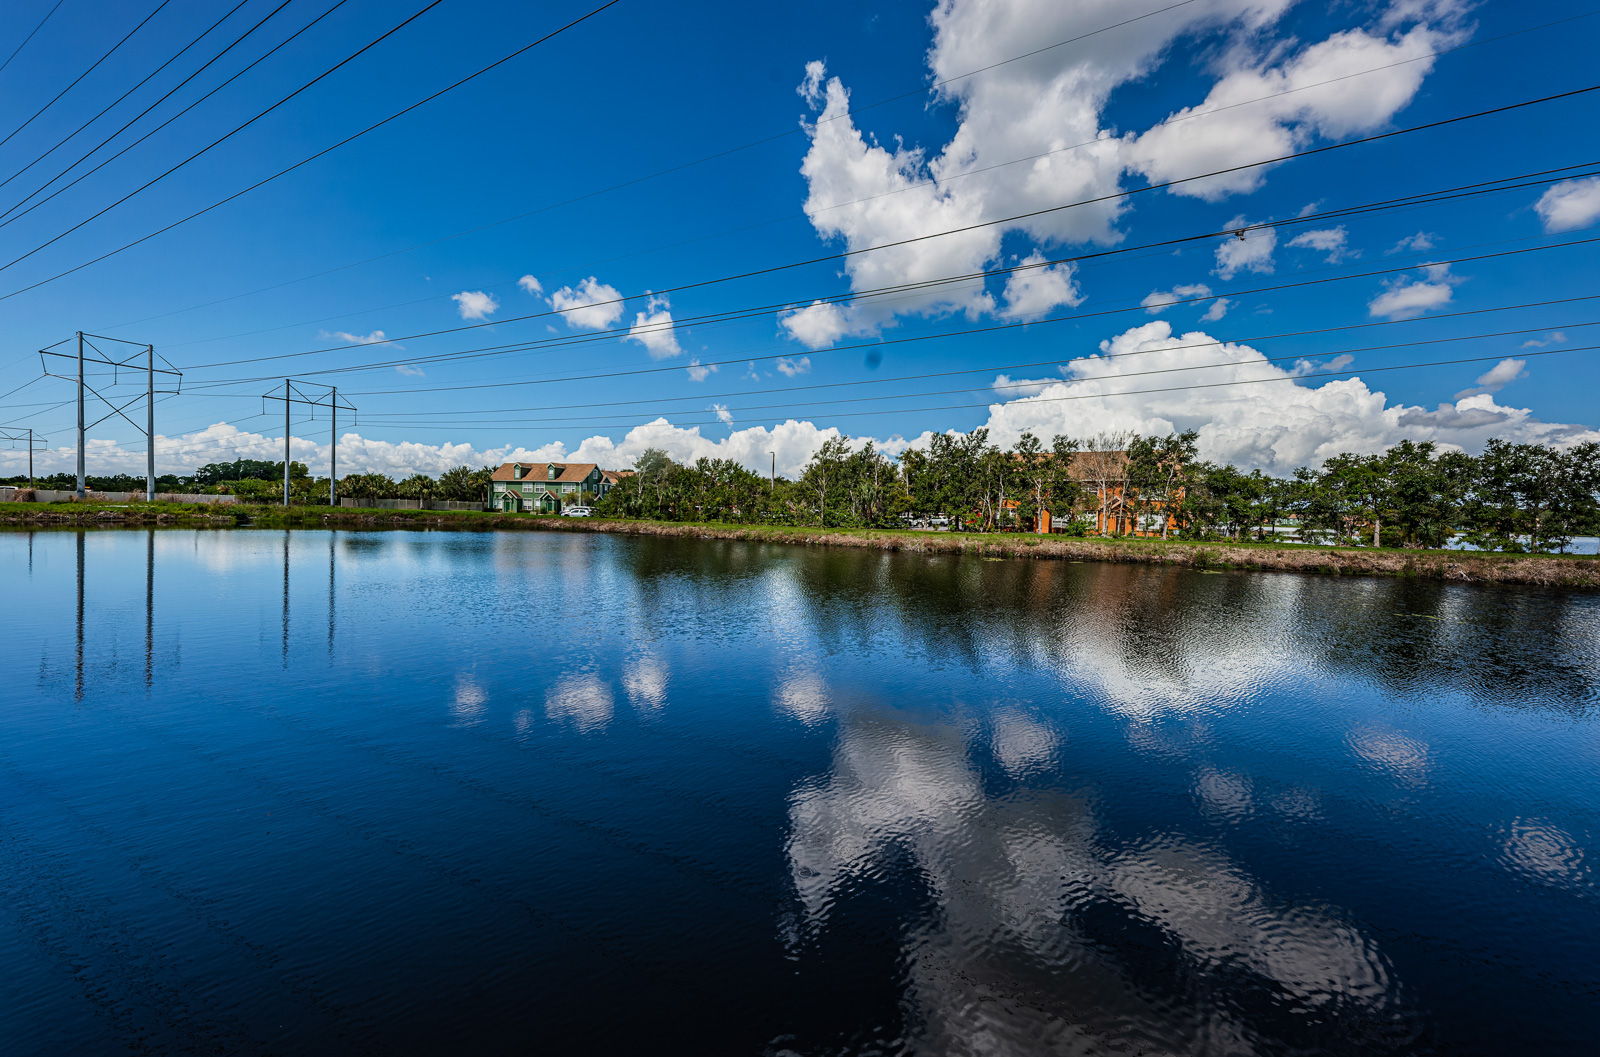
[699, 372]
[591, 305]
[653, 328]
[1570, 204]
[789, 366]
[1033, 291]
[1307, 94]
[1250, 251]
[1407, 298]
[1031, 137]
[816, 326]
[475, 304]
[1276, 425]
[530, 284]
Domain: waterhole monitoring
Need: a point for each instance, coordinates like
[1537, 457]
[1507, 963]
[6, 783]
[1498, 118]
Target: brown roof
[571, 472]
[613, 476]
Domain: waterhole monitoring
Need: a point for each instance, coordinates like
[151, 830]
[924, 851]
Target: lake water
[395, 793]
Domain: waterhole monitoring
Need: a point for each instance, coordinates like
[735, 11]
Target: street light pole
[772, 482]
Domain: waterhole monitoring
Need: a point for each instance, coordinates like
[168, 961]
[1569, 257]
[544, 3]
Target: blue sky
[643, 88]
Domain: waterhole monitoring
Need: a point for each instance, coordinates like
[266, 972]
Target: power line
[786, 133]
[403, 418]
[772, 269]
[1050, 363]
[92, 67]
[169, 120]
[878, 344]
[1339, 373]
[1192, 115]
[25, 40]
[674, 325]
[1084, 396]
[304, 161]
[233, 131]
[113, 104]
[15, 211]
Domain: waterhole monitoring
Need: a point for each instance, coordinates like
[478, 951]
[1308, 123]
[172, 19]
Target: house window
[555, 471]
[519, 471]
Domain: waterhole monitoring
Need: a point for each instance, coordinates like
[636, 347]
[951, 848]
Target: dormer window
[519, 472]
[555, 471]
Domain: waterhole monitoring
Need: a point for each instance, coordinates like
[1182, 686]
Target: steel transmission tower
[27, 437]
[294, 392]
[90, 355]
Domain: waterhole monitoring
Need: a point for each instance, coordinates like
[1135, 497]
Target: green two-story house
[546, 487]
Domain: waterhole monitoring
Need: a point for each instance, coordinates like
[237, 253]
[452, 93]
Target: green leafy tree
[367, 486]
[462, 484]
[1159, 470]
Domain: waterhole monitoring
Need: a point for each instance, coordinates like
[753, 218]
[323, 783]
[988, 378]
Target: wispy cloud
[1496, 378]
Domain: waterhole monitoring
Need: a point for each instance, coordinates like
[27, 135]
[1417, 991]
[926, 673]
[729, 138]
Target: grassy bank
[1466, 567]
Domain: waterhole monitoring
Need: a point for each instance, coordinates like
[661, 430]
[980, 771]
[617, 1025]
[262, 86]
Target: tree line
[1513, 497]
[261, 481]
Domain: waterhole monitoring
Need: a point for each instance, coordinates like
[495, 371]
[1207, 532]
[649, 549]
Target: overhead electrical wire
[92, 67]
[1089, 396]
[233, 131]
[406, 418]
[20, 208]
[77, 179]
[26, 40]
[291, 168]
[1099, 199]
[882, 343]
[565, 341]
[115, 102]
[1192, 115]
[809, 386]
[1337, 373]
[690, 164]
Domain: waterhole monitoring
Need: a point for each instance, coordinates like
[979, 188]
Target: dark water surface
[396, 793]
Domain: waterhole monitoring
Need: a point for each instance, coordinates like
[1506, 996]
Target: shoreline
[1542, 570]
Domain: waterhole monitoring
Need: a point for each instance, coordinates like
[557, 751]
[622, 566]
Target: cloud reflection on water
[1033, 946]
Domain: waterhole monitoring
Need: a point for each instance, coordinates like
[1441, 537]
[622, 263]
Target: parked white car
[939, 521]
[578, 511]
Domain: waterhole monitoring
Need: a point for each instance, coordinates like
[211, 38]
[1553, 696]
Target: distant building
[546, 487]
[1103, 508]
[1106, 509]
